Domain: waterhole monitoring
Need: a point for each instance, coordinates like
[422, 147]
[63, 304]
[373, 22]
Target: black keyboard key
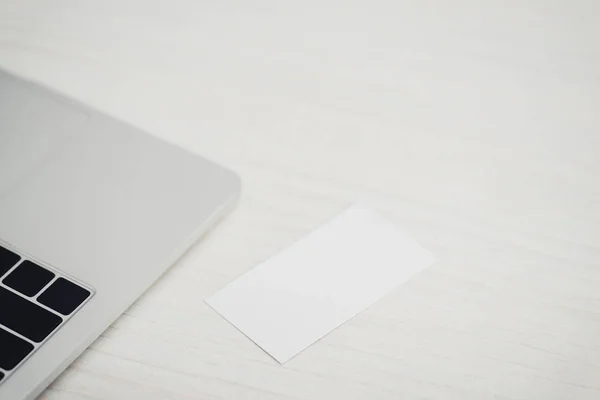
[28, 278]
[13, 350]
[8, 259]
[25, 317]
[63, 296]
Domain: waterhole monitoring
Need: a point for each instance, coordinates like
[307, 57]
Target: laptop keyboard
[34, 302]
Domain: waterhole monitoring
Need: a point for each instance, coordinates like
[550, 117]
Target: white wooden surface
[475, 125]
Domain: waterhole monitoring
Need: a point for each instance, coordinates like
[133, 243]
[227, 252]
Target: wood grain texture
[474, 125]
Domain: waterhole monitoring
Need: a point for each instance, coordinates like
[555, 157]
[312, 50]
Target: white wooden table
[474, 126]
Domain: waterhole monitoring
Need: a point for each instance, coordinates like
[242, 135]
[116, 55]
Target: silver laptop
[92, 212]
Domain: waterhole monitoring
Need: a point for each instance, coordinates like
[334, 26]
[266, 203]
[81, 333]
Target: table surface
[475, 127]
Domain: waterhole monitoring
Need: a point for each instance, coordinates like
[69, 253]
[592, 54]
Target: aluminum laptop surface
[97, 203]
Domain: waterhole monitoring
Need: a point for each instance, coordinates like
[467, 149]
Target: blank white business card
[298, 296]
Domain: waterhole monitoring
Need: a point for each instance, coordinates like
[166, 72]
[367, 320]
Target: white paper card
[298, 296]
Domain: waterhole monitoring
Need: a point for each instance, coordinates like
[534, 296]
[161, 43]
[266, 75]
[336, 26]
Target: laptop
[92, 212]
